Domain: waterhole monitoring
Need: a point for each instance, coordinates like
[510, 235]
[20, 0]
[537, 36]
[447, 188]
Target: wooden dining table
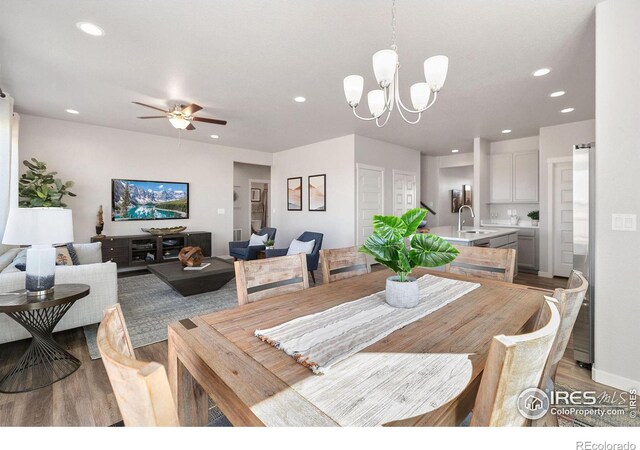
[217, 355]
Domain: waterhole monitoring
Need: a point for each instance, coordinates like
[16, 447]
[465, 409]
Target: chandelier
[385, 68]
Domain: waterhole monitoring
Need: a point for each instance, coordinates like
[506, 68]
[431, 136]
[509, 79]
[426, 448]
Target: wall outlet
[220, 210]
[623, 222]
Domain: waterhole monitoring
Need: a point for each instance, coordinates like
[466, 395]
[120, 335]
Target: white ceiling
[245, 60]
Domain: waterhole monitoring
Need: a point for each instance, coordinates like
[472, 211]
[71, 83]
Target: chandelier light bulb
[435, 71]
[375, 99]
[384, 66]
[353, 86]
[420, 94]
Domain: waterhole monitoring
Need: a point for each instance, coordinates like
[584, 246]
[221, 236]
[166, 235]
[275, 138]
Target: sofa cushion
[297, 247]
[20, 260]
[89, 253]
[7, 258]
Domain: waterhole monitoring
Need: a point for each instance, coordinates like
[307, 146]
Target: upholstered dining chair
[569, 303]
[340, 263]
[312, 258]
[141, 388]
[514, 364]
[264, 278]
[242, 249]
[493, 263]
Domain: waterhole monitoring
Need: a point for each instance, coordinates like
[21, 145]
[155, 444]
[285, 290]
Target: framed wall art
[317, 192]
[294, 194]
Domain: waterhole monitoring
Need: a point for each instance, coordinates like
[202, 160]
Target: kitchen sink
[478, 231]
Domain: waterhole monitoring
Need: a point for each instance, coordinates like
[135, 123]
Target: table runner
[320, 340]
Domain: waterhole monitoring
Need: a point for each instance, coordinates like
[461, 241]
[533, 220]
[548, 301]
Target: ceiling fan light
[353, 85]
[179, 122]
[420, 94]
[384, 66]
[435, 71]
[375, 99]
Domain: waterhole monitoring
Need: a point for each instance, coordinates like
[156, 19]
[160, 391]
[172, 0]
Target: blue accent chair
[312, 258]
[242, 250]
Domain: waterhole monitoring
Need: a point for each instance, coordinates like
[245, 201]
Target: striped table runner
[320, 340]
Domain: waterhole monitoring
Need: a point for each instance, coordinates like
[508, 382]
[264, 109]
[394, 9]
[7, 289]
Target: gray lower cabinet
[528, 250]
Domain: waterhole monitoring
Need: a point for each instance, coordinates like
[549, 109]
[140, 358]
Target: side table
[45, 361]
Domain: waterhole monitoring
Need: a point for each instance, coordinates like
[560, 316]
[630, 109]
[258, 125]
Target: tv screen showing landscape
[148, 200]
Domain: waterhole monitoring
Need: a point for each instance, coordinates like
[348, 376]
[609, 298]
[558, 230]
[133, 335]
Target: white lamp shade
[435, 71]
[420, 94]
[38, 226]
[179, 122]
[353, 85]
[384, 66]
[375, 99]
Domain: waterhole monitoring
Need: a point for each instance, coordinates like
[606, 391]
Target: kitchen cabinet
[528, 250]
[513, 177]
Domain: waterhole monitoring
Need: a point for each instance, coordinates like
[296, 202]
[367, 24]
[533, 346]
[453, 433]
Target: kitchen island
[478, 237]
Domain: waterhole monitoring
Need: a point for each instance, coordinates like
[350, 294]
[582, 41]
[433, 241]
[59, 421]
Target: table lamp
[40, 228]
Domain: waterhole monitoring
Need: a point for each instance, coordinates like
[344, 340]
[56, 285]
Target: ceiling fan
[181, 117]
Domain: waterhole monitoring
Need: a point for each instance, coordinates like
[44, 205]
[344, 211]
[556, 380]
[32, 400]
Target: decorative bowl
[163, 231]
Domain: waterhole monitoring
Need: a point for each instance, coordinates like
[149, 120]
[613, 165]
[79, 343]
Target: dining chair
[141, 388]
[340, 263]
[264, 278]
[494, 263]
[312, 258]
[514, 364]
[569, 303]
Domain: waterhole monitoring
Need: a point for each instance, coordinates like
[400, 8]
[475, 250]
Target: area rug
[587, 416]
[149, 306]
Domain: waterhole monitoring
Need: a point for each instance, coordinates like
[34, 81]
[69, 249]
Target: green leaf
[428, 250]
[389, 227]
[412, 219]
[381, 248]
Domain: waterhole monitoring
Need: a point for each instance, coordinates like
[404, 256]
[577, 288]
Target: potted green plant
[38, 188]
[269, 243]
[395, 244]
[535, 217]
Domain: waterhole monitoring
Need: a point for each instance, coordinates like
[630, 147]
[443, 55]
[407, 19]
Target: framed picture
[255, 195]
[466, 195]
[456, 200]
[148, 200]
[317, 192]
[294, 194]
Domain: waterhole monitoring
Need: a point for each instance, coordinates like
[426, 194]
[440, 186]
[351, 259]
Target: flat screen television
[148, 200]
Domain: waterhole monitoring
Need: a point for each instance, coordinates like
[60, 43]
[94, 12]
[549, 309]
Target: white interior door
[562, 219]
[370, 199]
[404, 192]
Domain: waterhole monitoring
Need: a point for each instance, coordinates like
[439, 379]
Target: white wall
[617, 303]
[556, 142]
[92, 155]
[6, 114]
[242, 173]
[336, 159]
[390, 157]
[481, 149]
[516, 145]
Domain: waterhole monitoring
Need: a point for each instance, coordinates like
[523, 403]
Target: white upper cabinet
[525, 177]
[514, 177]
[501, 178]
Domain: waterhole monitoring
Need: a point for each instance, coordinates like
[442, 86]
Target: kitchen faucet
[460, 222]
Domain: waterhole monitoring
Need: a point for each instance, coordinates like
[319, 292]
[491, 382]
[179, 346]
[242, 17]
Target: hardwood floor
[85, 398]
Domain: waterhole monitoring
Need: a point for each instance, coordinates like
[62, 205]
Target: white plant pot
[535, 223]
[402, 294]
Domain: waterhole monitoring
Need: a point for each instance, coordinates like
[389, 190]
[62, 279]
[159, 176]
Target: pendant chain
[393, 26]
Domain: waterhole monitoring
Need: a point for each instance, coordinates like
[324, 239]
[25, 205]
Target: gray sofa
[101, 277]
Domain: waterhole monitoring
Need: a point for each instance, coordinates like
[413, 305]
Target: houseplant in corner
[395, 244]
[535, 217]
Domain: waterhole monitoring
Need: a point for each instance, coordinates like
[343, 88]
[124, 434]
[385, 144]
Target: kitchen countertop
[451, 233]
[506, 225]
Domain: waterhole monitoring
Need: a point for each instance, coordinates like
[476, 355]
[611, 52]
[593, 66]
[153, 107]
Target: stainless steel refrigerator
[583, 246]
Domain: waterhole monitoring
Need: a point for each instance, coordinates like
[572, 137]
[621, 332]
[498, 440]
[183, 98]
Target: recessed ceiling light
[300, 99]
[557, 94]
[72, 111]
[214, 136]
[567, 110]
[541, 72]
[455, 150]
[506, 131]
[90, 28]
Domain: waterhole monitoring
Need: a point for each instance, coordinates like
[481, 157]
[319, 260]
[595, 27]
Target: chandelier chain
[393, 25]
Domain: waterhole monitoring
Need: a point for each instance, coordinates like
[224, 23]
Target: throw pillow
[256, 239]
[20, 262]
[73, 254]
[89, 253]
[63, 257]
[298, 247]
[22, 267]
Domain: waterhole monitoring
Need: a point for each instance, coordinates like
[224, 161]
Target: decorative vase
[191, 256]
[535, 223]
[401, 294]
[99, 229]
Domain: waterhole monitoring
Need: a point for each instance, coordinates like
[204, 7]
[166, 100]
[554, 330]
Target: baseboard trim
[615, 381]
[545, 274]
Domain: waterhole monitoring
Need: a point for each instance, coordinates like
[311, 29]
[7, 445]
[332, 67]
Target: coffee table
[192, 282]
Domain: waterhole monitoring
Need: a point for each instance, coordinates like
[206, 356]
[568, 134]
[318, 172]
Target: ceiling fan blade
[149, 106]
[204, 119]
[192, 108]
[153, 117]
[190, 127]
